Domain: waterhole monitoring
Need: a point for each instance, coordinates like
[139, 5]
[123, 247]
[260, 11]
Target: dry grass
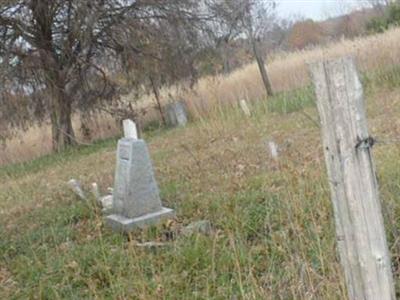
[36, 141]
[273, 234]
[287, 70]
[273, 226]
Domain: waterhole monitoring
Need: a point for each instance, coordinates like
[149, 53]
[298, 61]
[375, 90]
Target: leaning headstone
[243, 105]
[76, 188]
[176, 114]
[136, 200]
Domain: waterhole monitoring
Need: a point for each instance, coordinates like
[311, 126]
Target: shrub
[391, 18]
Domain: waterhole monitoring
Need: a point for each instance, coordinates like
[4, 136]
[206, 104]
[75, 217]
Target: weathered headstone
[245, 108]
[136, 200]
[202, 226]
[176, 114]
[76, 188]
[273, 150]
[106, 203]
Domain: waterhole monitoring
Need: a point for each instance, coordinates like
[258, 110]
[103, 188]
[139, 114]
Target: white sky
[316, 9]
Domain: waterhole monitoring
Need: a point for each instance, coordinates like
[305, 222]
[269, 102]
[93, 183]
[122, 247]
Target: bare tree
[226, 29]
[56, 54]
[254, 19]
[172, 50]
[257, 20]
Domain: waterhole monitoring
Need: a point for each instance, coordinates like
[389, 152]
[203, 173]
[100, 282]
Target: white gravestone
[96, 191]
[136, 200]
[130, 130]
[176, 114]
[273, 150]
[244, 107]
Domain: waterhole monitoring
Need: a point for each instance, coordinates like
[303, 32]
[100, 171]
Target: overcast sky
[316, 9]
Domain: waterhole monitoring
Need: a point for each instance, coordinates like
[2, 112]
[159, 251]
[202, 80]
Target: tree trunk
[261, 67]
[61, 122]
[226, 55]
[157, 95]
[60, 106]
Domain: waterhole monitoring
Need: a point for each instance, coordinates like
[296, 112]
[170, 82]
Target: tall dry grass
[36, 141]
[287, 71]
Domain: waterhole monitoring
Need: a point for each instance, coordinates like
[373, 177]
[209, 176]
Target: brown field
[287, 70]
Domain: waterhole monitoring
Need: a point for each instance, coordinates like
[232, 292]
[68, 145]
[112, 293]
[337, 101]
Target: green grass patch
[292, 101]
[63, 251]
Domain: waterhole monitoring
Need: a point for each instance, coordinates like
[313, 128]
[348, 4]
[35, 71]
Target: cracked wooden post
[360, 231]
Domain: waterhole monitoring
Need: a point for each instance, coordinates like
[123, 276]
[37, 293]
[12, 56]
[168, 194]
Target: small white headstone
[244, 107]
[130, 130]
[273, 149]
[95, 191]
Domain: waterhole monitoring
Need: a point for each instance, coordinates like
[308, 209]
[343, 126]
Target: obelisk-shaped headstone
[136, 200]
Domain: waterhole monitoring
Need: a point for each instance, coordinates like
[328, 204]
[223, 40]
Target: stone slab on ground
[202, 226]
[124, 224]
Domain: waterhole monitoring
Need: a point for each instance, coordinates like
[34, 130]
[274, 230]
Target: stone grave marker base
[124, 224]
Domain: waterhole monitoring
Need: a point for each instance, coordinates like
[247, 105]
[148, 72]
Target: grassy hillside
[288, 71]
[273, 234]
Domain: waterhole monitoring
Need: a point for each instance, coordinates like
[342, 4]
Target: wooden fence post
[360, 231]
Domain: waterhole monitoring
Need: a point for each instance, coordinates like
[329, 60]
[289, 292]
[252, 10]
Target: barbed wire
[365, 143]
[370, 141]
